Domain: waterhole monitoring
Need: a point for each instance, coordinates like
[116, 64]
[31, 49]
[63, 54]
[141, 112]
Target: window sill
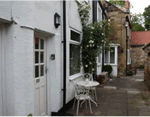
[73, 77]
[107, 64]
[99, 64]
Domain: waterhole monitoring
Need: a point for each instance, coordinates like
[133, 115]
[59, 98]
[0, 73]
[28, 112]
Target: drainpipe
[126, 48]
[64, 57]
[94, 11]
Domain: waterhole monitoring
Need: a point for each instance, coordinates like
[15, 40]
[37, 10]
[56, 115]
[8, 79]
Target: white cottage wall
[19, 55]
[8, 70]
[5, 14]
[41, 18]
[18, 38]
[1, 83]
[73, 22]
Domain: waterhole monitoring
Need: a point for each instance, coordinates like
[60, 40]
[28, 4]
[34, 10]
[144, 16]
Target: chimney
[127, 4]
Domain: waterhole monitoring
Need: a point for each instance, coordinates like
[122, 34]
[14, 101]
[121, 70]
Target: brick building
[138, 40]
[146, 49]
[121, 28]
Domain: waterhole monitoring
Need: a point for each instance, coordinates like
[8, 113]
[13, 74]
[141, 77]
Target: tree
[146, 15]
[136, 22]
[117, 2]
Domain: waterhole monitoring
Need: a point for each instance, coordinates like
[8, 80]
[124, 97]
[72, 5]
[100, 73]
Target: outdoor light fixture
[56, 20]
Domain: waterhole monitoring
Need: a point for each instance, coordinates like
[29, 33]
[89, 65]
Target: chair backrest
[79, 89]
[88, 76]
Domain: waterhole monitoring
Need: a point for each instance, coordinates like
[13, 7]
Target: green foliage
[146, 15]
[84, 11]
[94, 35]
[136, 22]
[141, 67]
[117, 2]
[138, 27]
[30, 114]
[108, 68]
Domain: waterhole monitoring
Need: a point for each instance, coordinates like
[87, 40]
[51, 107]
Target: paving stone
[116, 112]
[128, 99]
[133, 112]
[115, 105]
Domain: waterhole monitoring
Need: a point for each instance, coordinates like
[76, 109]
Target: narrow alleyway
[125, 96]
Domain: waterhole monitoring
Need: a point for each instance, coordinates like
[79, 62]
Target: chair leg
[86, 104]
[74, 103]
[90, 106]
[95, 94]
[77, 107]
[82, 103]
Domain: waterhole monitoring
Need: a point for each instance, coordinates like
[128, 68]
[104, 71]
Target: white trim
[75, 43]
[1, 78]
[75, 76]
[45, 37]
[3, 72]
[112, 44]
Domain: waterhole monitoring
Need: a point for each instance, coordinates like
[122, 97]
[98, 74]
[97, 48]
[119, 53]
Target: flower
[86, 65]
[90, 41]
[92, 69]
[90, 63]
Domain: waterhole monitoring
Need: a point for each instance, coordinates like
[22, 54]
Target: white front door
[40, 87]
[1, 71]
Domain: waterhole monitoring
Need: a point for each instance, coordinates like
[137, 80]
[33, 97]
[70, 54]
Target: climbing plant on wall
[94, 35]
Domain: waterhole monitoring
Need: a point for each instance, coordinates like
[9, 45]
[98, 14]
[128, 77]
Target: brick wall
[118, 35]
[138, 56]
[147, 68]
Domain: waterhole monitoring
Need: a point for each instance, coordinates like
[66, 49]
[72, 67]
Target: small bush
[30, 114]
[141, 67]
[108, 68]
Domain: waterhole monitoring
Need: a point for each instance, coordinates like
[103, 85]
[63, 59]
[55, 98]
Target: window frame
[115, 62]
[73, 42]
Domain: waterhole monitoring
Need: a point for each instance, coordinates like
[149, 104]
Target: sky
[139, 5]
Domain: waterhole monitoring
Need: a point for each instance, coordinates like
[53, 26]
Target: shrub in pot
[108, 68]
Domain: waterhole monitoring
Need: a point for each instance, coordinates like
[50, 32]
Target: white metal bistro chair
[90, 78]
[81, 94]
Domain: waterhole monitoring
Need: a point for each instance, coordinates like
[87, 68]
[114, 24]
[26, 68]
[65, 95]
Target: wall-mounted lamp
[56, 20]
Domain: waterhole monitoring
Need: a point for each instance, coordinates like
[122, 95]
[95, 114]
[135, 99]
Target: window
[112, 55]
[109, 55]
[74, 53]
[75, 36]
